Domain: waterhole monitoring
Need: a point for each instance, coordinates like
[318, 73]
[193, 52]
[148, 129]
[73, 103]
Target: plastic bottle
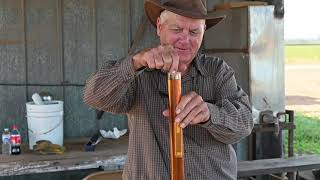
[37, 99]
[15, 141]
[6, 144]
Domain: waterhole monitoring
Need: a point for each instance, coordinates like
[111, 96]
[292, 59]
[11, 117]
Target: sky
[302, 19]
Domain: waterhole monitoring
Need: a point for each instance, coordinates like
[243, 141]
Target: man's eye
[194, 32]
[176, 30]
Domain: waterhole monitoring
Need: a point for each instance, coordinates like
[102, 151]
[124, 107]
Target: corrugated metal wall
[54, 45]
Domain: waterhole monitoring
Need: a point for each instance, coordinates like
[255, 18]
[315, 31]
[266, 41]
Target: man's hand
[190, 110]
[161, 57]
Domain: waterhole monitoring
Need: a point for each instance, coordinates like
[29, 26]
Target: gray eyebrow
[195, 29]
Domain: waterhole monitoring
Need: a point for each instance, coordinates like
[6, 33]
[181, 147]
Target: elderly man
[213, 110]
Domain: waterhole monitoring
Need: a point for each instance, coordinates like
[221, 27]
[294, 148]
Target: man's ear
[158, 26]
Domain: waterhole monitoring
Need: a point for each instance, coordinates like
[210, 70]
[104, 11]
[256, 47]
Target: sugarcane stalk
[176, 132]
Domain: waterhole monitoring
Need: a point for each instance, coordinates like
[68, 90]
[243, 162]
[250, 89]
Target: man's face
[183, 33]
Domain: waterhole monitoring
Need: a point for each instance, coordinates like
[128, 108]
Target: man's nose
[184, 36]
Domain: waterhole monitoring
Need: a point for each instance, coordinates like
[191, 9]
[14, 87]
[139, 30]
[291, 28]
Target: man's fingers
[158, 60]
[162, 57]
[186, 105]
[166, 113]
[166, 56]
[202, 116]
[184, 101]
[198, 118]
[175, 61]
[150, 60]
[190, 117]
[167, 61]
[183, 67]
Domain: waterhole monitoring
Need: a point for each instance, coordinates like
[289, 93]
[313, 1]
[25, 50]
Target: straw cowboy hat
[196, 9]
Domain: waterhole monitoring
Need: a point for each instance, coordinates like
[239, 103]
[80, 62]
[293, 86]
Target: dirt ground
[302, 87]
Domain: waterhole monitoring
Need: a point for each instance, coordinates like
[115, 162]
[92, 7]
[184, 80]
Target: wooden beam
[111, 155]
[270, 127]
[277, 165]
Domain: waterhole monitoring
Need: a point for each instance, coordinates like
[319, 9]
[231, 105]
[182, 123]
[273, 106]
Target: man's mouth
[181, 49]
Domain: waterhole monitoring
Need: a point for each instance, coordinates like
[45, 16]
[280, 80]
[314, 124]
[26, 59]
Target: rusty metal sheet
[265, 70]
[43, 33]
[266, 59]
[79, 119]
[112, 29]
[12, 51]
[230, 34]
[79, 40]
[264, 76]
[13, 109]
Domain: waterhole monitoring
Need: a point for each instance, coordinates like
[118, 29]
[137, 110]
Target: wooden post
[176, 133]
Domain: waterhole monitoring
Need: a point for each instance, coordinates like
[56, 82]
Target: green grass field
[307, 134]
[304, 54]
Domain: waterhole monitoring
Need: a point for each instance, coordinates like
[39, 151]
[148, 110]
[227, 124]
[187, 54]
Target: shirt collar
[198, 65]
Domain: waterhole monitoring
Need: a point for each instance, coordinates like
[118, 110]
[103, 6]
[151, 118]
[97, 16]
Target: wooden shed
[55, 45]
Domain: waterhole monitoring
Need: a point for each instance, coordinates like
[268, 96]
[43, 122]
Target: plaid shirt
[143, 96]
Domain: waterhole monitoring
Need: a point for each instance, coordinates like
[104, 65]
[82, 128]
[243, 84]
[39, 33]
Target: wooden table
[109, 154]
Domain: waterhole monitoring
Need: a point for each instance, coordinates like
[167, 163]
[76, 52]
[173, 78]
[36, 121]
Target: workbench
[110, 155]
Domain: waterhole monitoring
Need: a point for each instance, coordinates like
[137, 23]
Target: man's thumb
[166, 113]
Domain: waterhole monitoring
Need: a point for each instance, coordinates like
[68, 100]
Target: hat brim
[153, 11]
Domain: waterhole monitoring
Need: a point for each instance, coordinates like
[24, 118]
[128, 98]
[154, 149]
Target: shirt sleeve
[113, 87]
[230, 114]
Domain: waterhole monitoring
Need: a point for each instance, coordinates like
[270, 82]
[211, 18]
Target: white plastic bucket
[45, 122]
